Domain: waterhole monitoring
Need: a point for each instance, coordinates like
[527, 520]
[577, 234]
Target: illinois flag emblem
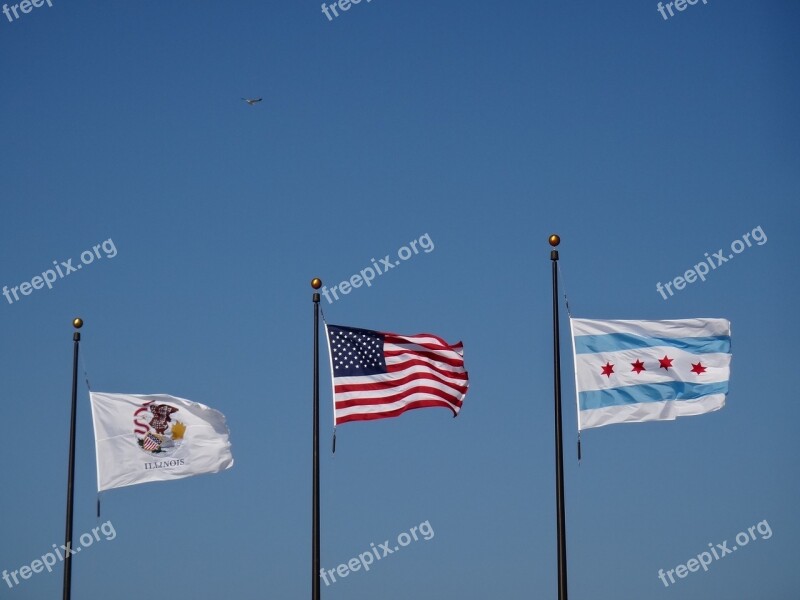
[143, 438]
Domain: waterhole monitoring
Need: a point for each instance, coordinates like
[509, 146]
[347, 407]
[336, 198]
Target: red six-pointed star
[698, 368]
[608, 369]
[665, 362]
[638, 366]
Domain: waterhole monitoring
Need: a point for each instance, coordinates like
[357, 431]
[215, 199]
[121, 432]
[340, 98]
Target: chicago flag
[633, 371]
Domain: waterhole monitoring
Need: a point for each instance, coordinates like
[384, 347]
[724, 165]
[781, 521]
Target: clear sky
[645, 142]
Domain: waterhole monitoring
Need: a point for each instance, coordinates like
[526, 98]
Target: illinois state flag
[156, 438]
[378, 375]
[632, 371]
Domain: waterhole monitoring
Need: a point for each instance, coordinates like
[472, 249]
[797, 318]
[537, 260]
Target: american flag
[378, 375]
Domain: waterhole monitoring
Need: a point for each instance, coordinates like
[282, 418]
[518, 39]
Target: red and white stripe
[423, 371]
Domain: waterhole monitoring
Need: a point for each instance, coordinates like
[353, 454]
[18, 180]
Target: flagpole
[77, 323]
[315, 568]
[560, 520]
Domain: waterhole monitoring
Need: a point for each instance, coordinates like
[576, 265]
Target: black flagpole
[315, 568]
[77, 323]
[560, 521]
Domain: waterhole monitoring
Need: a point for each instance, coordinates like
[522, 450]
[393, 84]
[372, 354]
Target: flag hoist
[560, 519]
[77, 323]
[316, 283]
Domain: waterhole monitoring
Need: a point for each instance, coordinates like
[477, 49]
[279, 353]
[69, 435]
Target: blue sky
[643, 142]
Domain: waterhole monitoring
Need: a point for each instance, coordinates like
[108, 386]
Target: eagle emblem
[160, 434]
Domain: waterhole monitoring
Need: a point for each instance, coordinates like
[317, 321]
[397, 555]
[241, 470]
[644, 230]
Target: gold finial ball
[77, 322]
[316, 283]
[554, 240]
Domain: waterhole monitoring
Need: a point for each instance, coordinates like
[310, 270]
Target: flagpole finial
[77, 322]
[554, 240]
[316, 283]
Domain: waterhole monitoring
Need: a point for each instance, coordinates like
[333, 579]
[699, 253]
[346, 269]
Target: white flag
[633, 371]
[142, 438]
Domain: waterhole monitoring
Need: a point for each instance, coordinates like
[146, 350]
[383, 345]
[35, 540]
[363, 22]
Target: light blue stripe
[611, 342]
[649, 392]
